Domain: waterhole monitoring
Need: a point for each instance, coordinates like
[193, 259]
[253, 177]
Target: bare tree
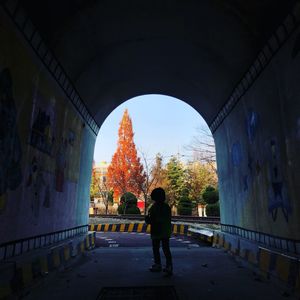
[153, 172]
[202, 147]
[105, 193]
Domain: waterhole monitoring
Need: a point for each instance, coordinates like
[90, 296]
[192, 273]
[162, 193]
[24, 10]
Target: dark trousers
[166, 250]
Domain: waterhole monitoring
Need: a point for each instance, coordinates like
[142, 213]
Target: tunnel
[66, 65]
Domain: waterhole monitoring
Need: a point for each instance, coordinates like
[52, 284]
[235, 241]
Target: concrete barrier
[30, 267]
[279, 265]
[202, 234]
[7, 273]
[269, 263]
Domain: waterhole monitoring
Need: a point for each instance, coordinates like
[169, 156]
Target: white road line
[186, 242]
[114, 245]
[112, 242]
[193, 246]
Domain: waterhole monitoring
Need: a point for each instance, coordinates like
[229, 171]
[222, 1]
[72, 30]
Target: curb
[136, 227]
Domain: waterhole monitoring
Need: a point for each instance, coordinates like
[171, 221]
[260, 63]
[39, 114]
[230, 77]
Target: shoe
[155, 268]
[168, 270]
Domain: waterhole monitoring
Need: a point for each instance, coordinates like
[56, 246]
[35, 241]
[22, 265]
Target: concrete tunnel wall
[44, 184]
[46, 151]
[258, 148]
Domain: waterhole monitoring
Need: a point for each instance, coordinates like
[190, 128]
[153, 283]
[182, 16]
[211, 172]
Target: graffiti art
[251, 125]
[71, 137]
[36, 181]
[236, 154]
[42, 130]
[61, 164]
[278, 196]
[10, 146]
[41, 137]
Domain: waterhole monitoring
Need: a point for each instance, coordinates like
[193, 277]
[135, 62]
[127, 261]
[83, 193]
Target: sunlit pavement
[140, 239]
[199, 273]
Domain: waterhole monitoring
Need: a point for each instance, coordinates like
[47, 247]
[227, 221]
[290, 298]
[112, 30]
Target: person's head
[158, 195]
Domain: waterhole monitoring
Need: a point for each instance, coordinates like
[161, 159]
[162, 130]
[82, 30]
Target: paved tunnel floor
[199, 273]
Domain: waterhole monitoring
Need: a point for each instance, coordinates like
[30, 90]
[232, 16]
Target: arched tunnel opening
[167, 134]
[64, 66]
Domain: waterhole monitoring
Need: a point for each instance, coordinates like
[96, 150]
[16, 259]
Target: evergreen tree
[125, 173]
[175, 175]
[185, 205]
[211, 197]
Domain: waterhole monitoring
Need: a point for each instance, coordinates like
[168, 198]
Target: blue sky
[160, 123]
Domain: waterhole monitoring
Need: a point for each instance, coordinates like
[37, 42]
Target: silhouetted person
[159, 216]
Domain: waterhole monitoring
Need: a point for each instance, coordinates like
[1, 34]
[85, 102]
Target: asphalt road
[135, 239]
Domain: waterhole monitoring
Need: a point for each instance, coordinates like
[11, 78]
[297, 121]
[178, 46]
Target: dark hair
[158, 195]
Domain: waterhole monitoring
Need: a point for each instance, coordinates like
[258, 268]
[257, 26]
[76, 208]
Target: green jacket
[159, 216]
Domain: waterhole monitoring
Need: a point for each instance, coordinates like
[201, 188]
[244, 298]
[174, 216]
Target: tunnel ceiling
[194, 50]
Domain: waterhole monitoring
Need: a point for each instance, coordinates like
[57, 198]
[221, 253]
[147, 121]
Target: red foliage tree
[125, 173]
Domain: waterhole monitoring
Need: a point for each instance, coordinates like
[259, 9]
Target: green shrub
[185, 206]
[213, 210]
[128, 204]
[121, 208]
[129, 198]
[210, 195]
[133, 210]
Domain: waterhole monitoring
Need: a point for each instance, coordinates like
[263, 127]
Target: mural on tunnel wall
[37, 183]
[252, 121]
[254, 183]
[261, 190]
[10, 146]
[43, 124]
[278, 197]
[253, 163]
[60, 165]
[40, 148]
[236, 154]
